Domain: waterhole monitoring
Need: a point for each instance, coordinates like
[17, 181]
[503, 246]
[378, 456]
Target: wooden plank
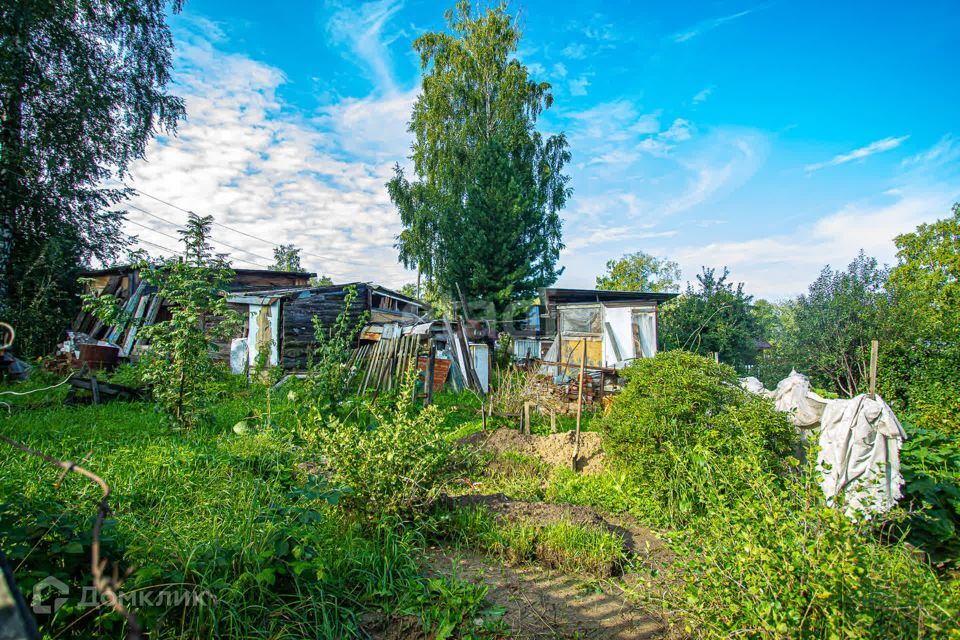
[576, 444]
[874, 356]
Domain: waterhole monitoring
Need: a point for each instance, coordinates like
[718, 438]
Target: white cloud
[560, 70]
[575, 51]
[702, 95]
[708, 25]
[605, 235]
[361, 28]
[945, 151]
[270, 171]
[579, 86]
[784, 264]
[878, 146]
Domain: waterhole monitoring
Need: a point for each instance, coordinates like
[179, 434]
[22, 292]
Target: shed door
[618, 342]
[645, 332]
[264, 333]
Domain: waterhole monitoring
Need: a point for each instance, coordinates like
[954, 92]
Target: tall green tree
[482, 211]
[286, 257]
[713, 317]
[920, 353]
[834, 322]
[640, 271]
[83, 88]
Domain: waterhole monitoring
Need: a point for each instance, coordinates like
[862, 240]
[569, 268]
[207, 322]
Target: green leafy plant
[774, 561]
[684, 429]
[330, 377]
[930, 463]
[178, 365]
[714, 317]
[395, 464]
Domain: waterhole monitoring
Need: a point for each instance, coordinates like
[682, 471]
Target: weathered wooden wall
[298, 314]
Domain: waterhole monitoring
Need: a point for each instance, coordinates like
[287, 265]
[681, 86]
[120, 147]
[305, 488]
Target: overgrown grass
[563, 545]
[206, 511]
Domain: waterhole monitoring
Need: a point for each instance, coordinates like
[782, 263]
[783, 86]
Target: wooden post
[483, 412]
[553, 420]
[526, 418]
[95, 389]
[716, 357]
[874, 354]
[428, 375]
[576, 444]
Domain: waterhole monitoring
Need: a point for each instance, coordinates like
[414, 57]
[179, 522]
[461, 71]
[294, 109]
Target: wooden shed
[617, 326]
[283, 319]
[145, 307]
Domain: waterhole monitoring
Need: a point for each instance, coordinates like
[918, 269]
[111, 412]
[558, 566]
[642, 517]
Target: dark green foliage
[483, 212]
[714, 317]
[833, 324]
[286, 257]
[684, 429]
[209, 512]
[930, 462]
[82, 91]
[774, 561]
[640, 271]
[920, 355]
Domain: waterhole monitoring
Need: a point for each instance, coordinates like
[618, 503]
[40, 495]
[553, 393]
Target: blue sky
[772, 138]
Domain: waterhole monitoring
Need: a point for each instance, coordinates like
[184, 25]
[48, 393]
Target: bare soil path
[545, 604]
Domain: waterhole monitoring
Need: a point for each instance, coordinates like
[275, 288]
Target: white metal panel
[254, 340]
[646, 331]
[617, 335]
[481, 364]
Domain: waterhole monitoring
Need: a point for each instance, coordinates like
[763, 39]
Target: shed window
[581, 320]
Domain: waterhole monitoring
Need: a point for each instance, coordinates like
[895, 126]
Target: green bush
[683, 429]
[397, 463]
[930, 463]
[776, 562]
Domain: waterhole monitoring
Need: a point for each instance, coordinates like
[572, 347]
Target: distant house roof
[121, 269]
[572, 296]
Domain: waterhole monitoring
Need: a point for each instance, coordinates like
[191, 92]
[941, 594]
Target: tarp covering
[860, 440]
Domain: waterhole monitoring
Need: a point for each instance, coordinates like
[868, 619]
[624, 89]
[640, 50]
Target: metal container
[98, 357]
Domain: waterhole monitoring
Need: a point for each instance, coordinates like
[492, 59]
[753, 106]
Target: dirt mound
[555, 449]
[637, 539]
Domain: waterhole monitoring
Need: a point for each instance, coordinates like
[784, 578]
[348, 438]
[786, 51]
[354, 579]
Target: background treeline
[912, 308]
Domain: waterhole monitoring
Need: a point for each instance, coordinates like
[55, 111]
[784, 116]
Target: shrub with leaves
[330, 374]
[930, 462]
[774, 561]
[684, 429]
[178, 365]
[395, 464]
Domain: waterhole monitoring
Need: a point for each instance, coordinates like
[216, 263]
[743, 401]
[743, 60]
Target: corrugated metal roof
[562, 296]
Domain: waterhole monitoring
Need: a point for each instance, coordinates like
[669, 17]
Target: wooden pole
[874, 354]
[576, 444]
[428, 375]
[553, 421]
[526, 418]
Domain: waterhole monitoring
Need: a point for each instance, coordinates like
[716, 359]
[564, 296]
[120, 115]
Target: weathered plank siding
[297, 317]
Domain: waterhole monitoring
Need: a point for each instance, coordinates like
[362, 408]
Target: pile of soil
[555, 449]
[637, 539]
